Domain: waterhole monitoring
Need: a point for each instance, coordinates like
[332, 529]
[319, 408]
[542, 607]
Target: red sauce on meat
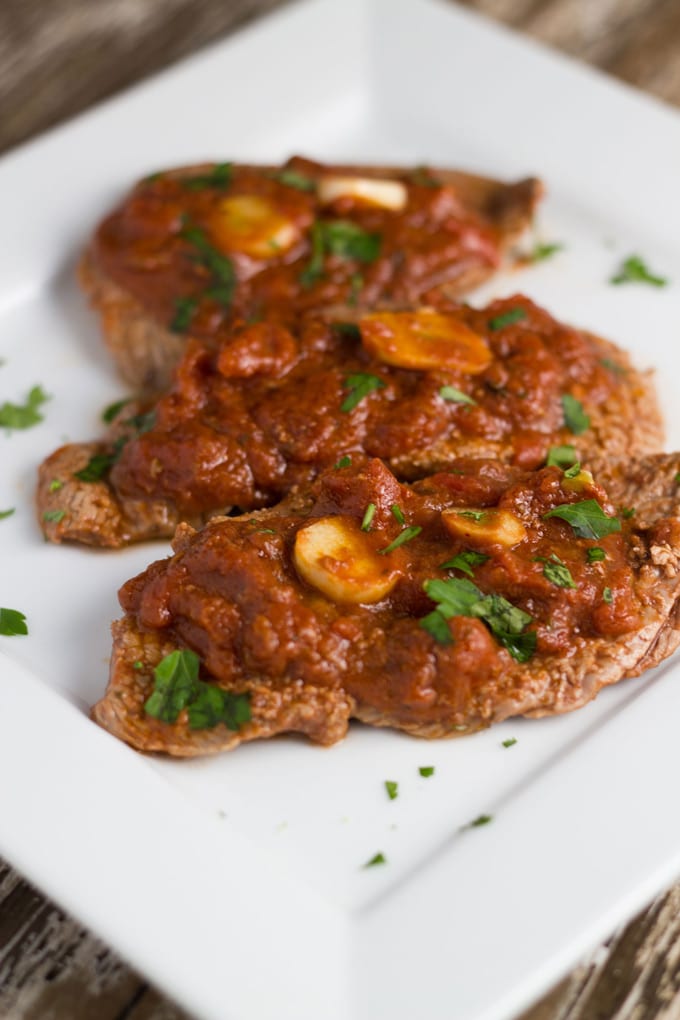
[232, 593]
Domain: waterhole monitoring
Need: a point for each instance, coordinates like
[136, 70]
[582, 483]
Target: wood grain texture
[58, 58]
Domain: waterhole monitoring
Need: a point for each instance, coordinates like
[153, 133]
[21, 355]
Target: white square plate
[237, 883]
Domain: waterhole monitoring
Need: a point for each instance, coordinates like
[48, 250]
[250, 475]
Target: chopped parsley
[6, 513]
[613, 366]
[436, 626]
[574, 471]
[607, 596]
[220, 266]
[677, 478]
[218, 177]
[460, 597]
[587, 518]
[404, 536]
[54, 516]
[341, 238]
[348, 329]
[142, 423]
[627, 512]
[634, 270]
[541, 252]
[343, 462]
[56, 484]
[356, 282]
[368, 517]
[556, 571]
[455, 396]
[575, 418]
[465, 561]
[24, 416]
[360, 385]
[294, 179]
[97, 466]
[426, 771]
[184, 313]
[398, 514]
[472, 515]
[392, 789]
[507, 318]
[561, 456]
[138, 664]
[177, 687]
[113, 410]
[510, 742]
[595, 555]
[478, 821]
[378, 858]
[12, 623]
[424, 178]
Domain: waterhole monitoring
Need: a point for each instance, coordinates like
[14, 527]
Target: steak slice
[436, 608]
[268, 409]
[195, 249]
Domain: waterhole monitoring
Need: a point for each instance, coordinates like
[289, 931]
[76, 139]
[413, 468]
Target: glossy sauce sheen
[262, 411]
[143, 246]
[232, 593]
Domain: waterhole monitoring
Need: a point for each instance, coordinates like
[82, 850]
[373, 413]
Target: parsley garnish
[545, 251]
[177, 687]
[398, 514]
[587, 518]
[473, 515]
[113, 410]
[342, 238]
[507, 318]
[595, 555]
[627, 512]
[348, 329]
[356, 282]
[54, 516]
[424, 177]
[12, 623]
[360, 385]
[6, 513]
[426, 771]
[574, 471]
[561, 456]
[677, 478]
[465, 561]
[343, 462]
[23, 416]
[368, 517]
[392, 789]
[507, 623]
[480, 820]
[436, 626]
[378, 858]
[634, 270]
[613, 366]
[607, 596]
[184, 313]
[455, 396]
[556, 571]
[56, 484]
[97, 466]
[138, 664]
[218, 265]
[142, 422]
[219, 177]
[294, 179]
[404, 536]
[575, 418]
[510, 742]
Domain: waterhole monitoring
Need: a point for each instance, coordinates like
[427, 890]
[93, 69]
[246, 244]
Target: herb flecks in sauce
[177, 687]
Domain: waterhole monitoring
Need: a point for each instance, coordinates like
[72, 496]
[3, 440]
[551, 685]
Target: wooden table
[59, 58]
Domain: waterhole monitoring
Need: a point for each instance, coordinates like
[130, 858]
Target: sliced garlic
[497, 526]
[373, 190]
[425, 340]
[579, 482]
[335, 556]
[253, 225]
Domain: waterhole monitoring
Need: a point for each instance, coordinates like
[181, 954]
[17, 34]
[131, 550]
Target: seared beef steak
[192, 250]
[436, 608]
[248, 420]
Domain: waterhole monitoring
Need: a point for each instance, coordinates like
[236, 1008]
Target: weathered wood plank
[60, 58]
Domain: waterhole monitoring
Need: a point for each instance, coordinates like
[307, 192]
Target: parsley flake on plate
[12, 623]
[392, 789]
[510, 742]
[6, 513]
[113, 410]
[634, 270]
[541, 252]
[378, 858]
[426, 771]
[24, 416]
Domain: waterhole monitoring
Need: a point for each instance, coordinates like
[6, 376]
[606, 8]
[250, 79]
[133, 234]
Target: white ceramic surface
[237, 884]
